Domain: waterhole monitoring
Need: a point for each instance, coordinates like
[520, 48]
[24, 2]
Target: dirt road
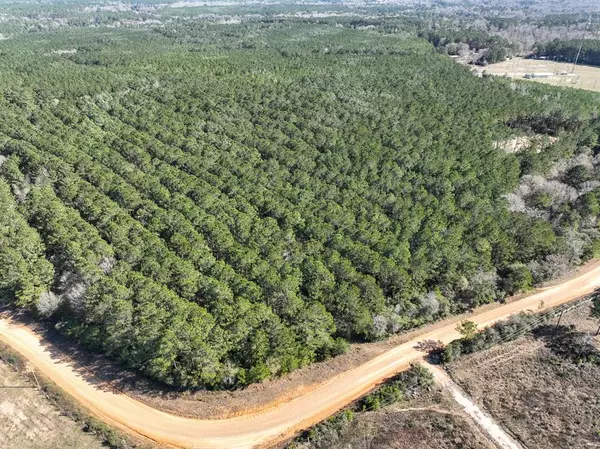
[277, 423]
[483, 419]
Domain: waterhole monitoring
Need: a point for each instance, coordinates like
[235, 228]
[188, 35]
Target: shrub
[510, 329]
[517, 277]
[407, 384]
[576, 175]
[569, 344]
[467, 329]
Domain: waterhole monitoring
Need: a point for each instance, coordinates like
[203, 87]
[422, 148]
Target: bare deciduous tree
[48, 303]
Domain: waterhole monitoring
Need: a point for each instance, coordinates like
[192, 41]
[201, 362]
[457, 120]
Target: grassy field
[545, 400]
[582, 77]
[29, 420]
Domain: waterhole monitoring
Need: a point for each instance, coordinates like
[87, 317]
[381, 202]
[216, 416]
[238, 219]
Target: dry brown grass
[29, 420]
[432, 421]
[546, 401]
[582, 77]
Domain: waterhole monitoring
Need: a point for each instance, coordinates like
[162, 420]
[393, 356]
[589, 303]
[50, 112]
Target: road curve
[280, 422]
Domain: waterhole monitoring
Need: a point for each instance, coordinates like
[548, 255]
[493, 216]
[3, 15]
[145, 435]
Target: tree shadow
[96, 369]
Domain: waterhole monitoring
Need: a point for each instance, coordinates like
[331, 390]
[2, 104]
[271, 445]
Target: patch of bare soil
[432, 421]
[28, 420]
[516, 144]
[545, 400]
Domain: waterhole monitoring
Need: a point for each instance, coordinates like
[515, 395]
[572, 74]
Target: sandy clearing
[275, 424]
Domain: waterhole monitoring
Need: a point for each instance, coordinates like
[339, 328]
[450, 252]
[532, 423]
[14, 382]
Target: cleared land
[280, 422]
[582, 77]
[546, 401]
[487, 423]
[430, 421]
[29, 420]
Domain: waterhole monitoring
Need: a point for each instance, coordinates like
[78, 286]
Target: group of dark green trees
[567, 50]
[216, 205]
[448, 40]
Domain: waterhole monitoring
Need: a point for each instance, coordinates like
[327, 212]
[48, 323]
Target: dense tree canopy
[495, 48]
[216, 205]
[567, 50]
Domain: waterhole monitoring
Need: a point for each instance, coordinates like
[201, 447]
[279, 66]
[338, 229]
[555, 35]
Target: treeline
[26, 274]
[212, 222]
[564, 341]
[566, 50]
[560, 184]
[501, 332]
[449, 41]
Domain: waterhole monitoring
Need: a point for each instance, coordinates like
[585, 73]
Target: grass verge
[109, 436]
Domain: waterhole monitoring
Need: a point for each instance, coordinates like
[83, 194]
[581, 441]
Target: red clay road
[282, 421]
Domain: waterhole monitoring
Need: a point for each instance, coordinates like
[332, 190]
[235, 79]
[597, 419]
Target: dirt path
[483, 419]
[278, 423]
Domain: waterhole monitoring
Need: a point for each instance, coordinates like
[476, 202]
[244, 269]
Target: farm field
[543, 399]
[582, 77]
[28, 420]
